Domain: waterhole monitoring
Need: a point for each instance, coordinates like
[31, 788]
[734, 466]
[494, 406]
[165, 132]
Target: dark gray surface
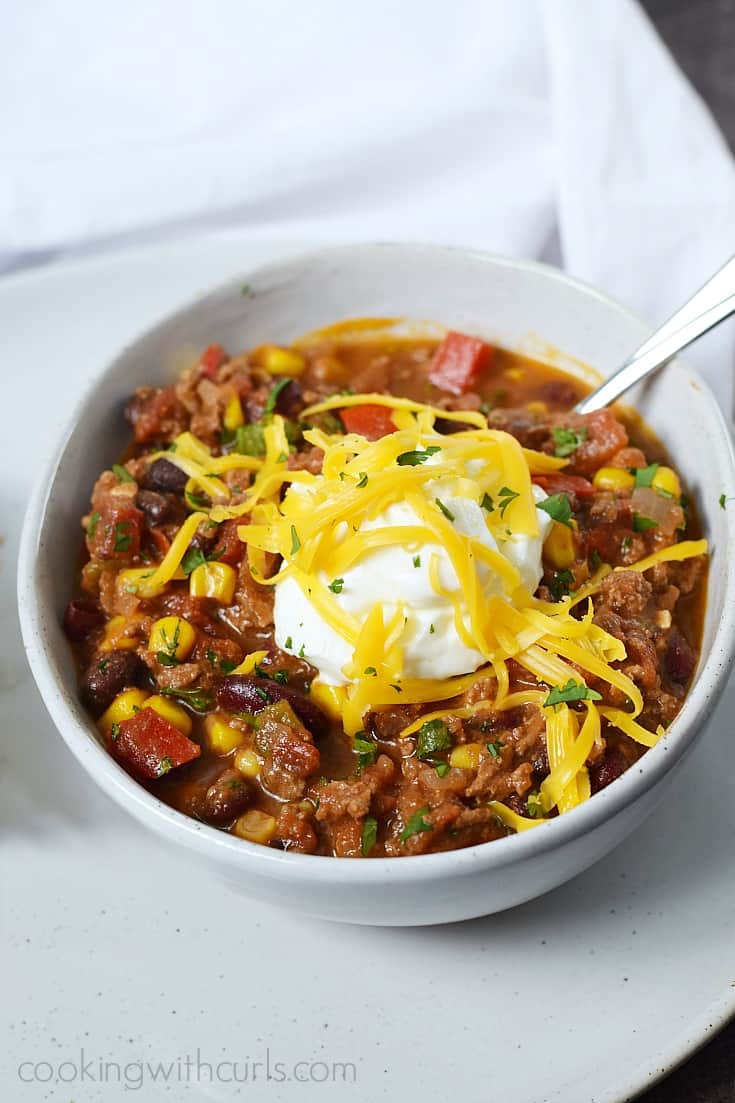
[701, 36]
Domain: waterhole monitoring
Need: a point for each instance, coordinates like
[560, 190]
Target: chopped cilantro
[558, 508]
[280, 676]
[442, 768]
[625, 543]
[397, 688]
[417, 561]
[416, 457]
[198, 699]
[447, 513]
[416, 824]
[166, 659]
[302, 652]
[494, 748]
[123, 536]
[199, 501]
[102, 665]
[487, 502]
[263, 694]
[272, 401]
[369, 835]
[432, 630]
[164, 766]
[288, 644]
[295, 542]
[115, 731]
[561, 584]
[643, 524]
[506, 496]
[362, 481]
[433, 736]
[567, 441]
[572, 691]
[644, 476]
[193, 558]
[365, 749]
[370, 671]
[722, 500]
[123, 475]
[534, 805]
[94, 520]
[336, 585]
[227, 665]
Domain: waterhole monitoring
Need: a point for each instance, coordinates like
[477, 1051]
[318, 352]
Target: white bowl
[504, 301]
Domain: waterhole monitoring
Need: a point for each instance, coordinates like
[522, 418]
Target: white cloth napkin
[552, 128]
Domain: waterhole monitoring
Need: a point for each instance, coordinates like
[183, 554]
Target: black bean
[157, 507]
[246, 693]
[109, 674]
[81, 617]
[680, 659]
[164, 475]
[290, 402]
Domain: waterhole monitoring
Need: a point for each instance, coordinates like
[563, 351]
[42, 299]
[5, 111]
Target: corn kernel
[613, 478]
[233, 416]
[537, 408]
[246, 763]
[667, 480]
[173, 636]
[125, 706]
[170, 711]
[215, 580]
[280, 361]
[330, 699]
[221, 736]
[114, 640]
[663, 618]
[249, 663]
[255, 826]
[559, 548]
[467, 756]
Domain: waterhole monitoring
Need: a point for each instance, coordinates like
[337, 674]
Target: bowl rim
[652, 768]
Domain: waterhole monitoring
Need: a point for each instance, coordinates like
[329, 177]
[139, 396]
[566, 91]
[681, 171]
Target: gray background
[701, 35]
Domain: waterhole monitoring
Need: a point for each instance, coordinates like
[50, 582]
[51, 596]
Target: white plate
[114, 945]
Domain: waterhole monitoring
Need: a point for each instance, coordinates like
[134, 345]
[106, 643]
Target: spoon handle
[710, 305]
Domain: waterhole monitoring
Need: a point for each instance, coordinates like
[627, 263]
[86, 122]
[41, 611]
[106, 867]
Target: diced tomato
[565, 484]
[458, 361]
[369, 421]
[151, 745]
[212, 359]
[229, 547]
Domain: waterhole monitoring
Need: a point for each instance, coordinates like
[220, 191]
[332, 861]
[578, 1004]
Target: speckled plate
[117, 951]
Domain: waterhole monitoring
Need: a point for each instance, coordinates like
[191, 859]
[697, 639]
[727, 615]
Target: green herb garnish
[447, 512]
[272, 401]
[123, 536]
[567, 441]
[416, 457]
[416, 824]
[94, 520]
[572, 691]
[336, 585]
[417, 561]
[644, 476]
[249, 440]
[487, 502]
[494, 749]
[433, 736]
[363, 480]
[288, 644]
[198, 699]
[442, 768]
[643, 524]
[165, 765]
[561, 584]
[365, 749]
[369, 835]
[295, 542]
[534, 805]
[123, 475]
[558, 508]
[506, 496]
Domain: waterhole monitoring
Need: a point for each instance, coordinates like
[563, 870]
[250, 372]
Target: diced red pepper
[212, 359]
[372, 422]
[565, 484]
[458, 362]
[151, 745]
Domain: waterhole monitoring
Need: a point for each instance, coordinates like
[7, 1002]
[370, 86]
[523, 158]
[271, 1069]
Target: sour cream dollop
[393, 575]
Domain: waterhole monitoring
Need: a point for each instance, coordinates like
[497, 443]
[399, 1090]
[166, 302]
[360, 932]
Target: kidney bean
[607, 770]
[680, 659]
[81, 617]
[164, 475]
[108, 675]
[247, 693]
[225, 799]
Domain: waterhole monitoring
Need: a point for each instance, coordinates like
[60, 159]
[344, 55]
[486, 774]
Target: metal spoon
[710, 305]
